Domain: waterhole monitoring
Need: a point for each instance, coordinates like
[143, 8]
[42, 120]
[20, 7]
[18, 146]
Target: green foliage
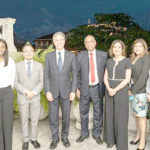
[120, 19]
[107, 28]
[16, 109]
[40, 57]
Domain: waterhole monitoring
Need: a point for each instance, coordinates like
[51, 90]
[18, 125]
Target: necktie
[92, 68]
[29, 69]
[59, 62]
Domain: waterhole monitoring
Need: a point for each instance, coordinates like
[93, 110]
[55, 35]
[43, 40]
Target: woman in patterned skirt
[140, 68]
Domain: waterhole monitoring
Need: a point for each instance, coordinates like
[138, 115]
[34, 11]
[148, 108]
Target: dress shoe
[36, 144]
[134, 143]
[110, 145]
[142, 148]
[66, 142]
[25, 146]
[81, 139]
[53, 144]
[98, 140]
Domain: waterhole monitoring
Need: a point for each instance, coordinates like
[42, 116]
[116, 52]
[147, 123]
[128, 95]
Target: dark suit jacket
[83, 71]
[64, 81]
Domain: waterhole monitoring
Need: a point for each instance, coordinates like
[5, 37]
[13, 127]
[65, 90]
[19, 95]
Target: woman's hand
[112, 92]
[148, 97]
[129, 93]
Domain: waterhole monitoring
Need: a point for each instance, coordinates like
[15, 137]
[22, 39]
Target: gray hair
[58, 33]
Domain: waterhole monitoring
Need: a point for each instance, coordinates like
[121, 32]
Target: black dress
[117, 106]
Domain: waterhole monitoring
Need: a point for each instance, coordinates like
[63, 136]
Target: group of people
[90, 76]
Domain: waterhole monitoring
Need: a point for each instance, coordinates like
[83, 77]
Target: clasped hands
[50, 98]
[112, 92]
[29, 94]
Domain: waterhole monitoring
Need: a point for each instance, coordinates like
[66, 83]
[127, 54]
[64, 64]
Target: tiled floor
[44, 137]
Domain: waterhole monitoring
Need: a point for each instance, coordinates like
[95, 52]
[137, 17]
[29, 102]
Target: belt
[91, 86]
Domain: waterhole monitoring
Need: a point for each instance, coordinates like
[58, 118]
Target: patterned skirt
[139, 105]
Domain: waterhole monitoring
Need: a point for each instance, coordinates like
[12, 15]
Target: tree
[107, 28]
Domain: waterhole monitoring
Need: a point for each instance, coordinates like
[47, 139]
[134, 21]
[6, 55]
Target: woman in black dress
[116, 78]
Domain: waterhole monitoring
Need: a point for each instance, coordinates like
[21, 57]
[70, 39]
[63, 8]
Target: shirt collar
[60, 51]
[26, 61]
[94, 52]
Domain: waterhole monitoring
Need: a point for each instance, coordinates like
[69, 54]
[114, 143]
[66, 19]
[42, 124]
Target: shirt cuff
[35, 93]
[24, 92]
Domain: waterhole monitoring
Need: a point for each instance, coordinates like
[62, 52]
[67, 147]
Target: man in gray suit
[60, 83]
[29, 83]
[90, 66]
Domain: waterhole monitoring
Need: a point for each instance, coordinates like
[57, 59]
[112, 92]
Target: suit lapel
[86, 60]
[55, 60]
[24, 70]
[98, 60]
[33, 70]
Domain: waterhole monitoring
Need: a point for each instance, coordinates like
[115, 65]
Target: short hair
[59, 33]
[89, 35]
[27, 44]
[122, 45]
[143, 42]
[6, 52]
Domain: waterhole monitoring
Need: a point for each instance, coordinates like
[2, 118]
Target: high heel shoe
[134, 143]
[143, 148]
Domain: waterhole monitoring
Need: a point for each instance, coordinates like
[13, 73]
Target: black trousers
[6, 118]
[93, 97]
[54, 117]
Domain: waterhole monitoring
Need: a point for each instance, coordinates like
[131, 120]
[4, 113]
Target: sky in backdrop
[35, 18]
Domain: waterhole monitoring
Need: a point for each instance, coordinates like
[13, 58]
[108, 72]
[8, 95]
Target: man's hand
[148, 97]
[78, 93]
[49, 96]
[72, 96]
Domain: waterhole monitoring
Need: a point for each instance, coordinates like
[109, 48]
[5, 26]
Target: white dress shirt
[62, 55]
[7, 74]
[95, 68]
[148, 84]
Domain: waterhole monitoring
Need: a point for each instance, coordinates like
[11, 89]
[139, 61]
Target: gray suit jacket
[83, 71]
[64, 81]
[22, 81]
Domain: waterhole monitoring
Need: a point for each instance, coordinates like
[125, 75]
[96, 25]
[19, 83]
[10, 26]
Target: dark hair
[6, 52]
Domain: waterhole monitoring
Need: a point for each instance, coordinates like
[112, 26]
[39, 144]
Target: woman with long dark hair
[7, 75]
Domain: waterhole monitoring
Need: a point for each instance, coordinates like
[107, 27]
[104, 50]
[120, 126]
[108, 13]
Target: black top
[140, 75]
[117, 69]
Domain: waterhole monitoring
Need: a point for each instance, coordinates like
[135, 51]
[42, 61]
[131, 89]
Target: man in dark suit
[60, 82]
[90, 66]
